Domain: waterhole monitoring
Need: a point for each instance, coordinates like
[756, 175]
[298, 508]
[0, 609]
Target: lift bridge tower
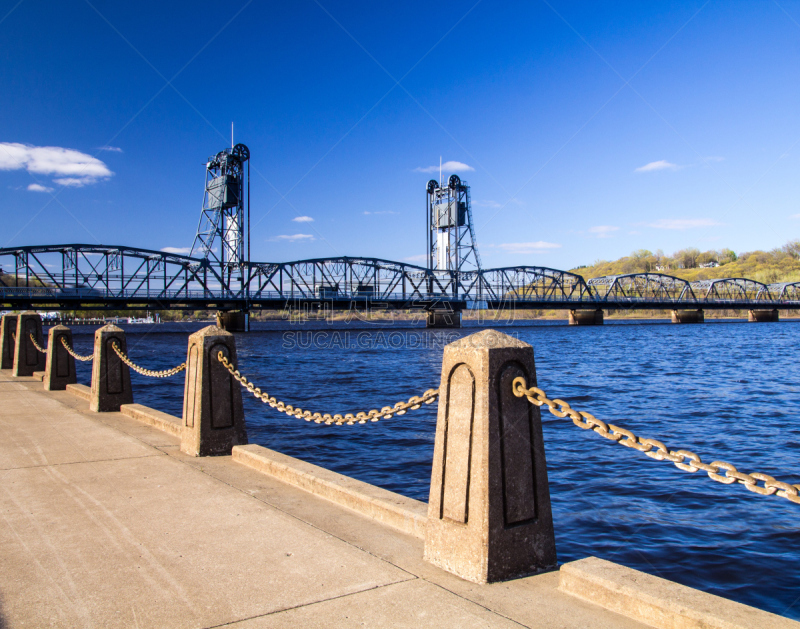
[451, 237]
[451, 240]
[223, 233]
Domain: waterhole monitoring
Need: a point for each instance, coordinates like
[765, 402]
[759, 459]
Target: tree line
[781, 264]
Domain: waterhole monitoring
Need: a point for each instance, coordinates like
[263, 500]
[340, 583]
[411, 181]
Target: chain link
[145, 372]
[73, 353]
[657, 450]
[35, 344]
[326, 418]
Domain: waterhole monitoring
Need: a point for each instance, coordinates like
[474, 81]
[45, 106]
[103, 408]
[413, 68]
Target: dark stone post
[27, 358]
[8, 340]
[213, 417]
[489, 516]
[60, 368]
[111, 378]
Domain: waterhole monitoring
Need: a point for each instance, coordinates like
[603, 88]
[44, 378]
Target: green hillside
[778, 265]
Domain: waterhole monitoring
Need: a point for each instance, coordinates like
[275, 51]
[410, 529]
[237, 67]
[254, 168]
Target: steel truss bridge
[82, 277]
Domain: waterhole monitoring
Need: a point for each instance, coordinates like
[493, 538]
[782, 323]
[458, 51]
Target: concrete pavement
[105, 523]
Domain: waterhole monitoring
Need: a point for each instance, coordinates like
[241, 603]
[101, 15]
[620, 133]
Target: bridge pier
[8, 340]
[761, 316]
[234, 321]
[443, 319]
[688, 316]
[586, 317]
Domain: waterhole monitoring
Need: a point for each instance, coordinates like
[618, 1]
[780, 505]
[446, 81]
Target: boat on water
[148, 319]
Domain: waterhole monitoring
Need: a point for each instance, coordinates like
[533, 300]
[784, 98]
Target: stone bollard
[60, 368]
[213, 417]
[8, 340]
[489, 516]
[111, 378]
[27, 358]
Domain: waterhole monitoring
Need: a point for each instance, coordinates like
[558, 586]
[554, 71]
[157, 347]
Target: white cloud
[420, 258]
[661, 164]
[113, 149]
[185, 251]
[447, 167]
[492, 204]
[603, 231]
[495, 205]
[377, 213]
[294, 237]
[683, 223]
[303, 219]
[73, 168]
[35, 187]
[75, 182]
[539, 246]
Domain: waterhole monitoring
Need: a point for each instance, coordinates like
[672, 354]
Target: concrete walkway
[104, 523]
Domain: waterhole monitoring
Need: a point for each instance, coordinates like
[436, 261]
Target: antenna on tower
[231, 134]
[440, 170]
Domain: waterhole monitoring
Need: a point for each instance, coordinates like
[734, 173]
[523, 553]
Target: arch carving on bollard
[489, 515]
[27, 358]
[213, 416]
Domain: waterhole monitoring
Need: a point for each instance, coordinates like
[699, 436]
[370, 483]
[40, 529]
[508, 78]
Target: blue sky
[585, 130]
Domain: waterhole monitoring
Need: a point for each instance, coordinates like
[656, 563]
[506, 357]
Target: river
[726, 390]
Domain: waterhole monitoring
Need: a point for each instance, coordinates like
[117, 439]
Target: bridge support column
[8, 340]
[234, 321]
[27, 358]
[443, 319]
[213, 417]
[586, 317]
[761, 316]
[111, 378]
[688, 316]
[60, 368]
[489, 516]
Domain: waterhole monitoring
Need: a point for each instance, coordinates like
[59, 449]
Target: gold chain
[326, 418]
[72, 352]
[36, 345]
[146, 372]
[584, 420]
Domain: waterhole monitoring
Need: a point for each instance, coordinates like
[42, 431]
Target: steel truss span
[78, 276]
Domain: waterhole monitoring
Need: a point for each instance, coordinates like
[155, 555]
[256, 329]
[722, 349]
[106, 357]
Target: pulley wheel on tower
[432, 185]
[242, 152]
[455, 181]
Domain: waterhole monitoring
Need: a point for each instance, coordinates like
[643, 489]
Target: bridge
[96, 277]
[219, 274]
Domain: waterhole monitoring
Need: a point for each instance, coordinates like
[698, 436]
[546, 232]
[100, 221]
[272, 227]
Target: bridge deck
[106, 523]
[80, 276]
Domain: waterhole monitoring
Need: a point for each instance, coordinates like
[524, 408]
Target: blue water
[725, 390]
